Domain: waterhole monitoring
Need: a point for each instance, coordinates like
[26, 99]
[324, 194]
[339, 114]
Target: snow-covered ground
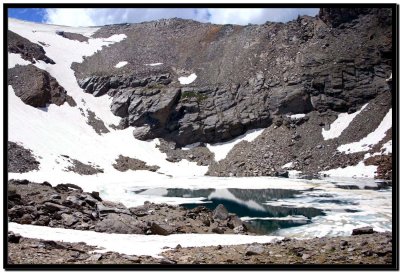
[151, 245]
[188, 79]
[340, 124]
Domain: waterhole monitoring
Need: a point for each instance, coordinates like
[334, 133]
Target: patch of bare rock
[37, 87]
[123, 164]
[28, 50]
[82, 168]
[20, 159]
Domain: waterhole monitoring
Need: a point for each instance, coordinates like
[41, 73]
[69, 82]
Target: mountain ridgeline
[247, 76]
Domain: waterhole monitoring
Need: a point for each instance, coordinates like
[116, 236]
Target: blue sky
[102, 16]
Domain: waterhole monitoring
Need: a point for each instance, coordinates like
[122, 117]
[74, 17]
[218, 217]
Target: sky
[103, 16]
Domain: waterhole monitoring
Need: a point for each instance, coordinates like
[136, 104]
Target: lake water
[286, 207]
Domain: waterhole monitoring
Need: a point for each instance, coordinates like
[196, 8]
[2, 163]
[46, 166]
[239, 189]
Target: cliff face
[247, 76]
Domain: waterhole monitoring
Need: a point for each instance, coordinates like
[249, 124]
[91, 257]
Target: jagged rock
[321, 68]
[161, 229]
[282, 173]
[361, 231]
[28, 50]
[119, 223]
[220, 212]
[37, 87]
[68, 219]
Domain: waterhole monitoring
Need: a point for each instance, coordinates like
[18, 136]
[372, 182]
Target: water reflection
[248, 203]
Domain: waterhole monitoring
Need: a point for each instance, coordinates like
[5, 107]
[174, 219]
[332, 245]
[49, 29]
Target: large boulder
[37, 87]
[120, 223]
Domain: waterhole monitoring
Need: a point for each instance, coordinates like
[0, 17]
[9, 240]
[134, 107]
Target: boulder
[254, 250]
[361, 231]
[13, 238]
[220, 212]
[68, 219]
[120, 223]
[36, 87]
[161, 229]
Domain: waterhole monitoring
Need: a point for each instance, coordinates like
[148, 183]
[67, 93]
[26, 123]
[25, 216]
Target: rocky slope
[247, 76]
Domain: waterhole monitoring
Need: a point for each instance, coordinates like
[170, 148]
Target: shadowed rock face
[28, 50]
[37, 87]
[246, 75]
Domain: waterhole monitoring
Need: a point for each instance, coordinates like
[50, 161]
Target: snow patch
[220, 150]
[288, 165]
[135, 244]
[387, 148]
[187, 80]
[16, 59]
[340, 124]
[354, 171]
[154, 64]
[371, 139]
[188, 147]
[121, 64]
[296, 116]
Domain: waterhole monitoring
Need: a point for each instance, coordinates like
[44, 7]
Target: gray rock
[119, 223]
[94, 258]
[68, 219]
[220, 212]
[361, 231]
[161, 229]
[53, 207]
[254, 250]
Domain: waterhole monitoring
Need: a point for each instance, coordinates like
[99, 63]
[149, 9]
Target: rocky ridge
[29, 51]
[309, 64]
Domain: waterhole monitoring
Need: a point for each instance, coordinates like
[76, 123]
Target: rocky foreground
[375, 248]
[67, 206]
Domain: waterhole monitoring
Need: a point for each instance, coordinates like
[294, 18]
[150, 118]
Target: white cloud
[97, 17]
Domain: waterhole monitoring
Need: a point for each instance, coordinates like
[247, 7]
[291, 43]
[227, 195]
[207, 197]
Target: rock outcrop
[247, 76]
[28, 50]
[37, 87]
[20, 159]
